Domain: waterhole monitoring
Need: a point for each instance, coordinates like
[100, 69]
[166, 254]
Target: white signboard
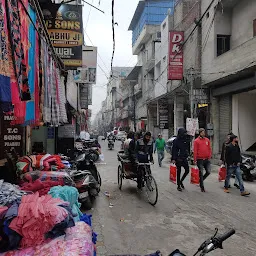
[72, 91]
[192, 126]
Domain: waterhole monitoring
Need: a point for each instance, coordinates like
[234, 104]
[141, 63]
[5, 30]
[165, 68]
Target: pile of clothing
[42, 187]
[77, 241]
[9, 193]
[32, 220]
[45, 162]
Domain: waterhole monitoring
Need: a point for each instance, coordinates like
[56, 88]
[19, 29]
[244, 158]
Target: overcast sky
[99, 29]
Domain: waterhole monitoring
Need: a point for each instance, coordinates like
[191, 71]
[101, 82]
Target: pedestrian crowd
[140, 147]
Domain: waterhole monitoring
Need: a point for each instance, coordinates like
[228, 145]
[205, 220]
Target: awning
[134, 73]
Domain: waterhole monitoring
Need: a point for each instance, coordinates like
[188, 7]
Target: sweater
[233, 154]
[202, 149]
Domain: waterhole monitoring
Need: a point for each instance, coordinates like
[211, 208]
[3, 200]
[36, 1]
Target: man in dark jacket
[144, 150]
[223, 152]
[233, 159]
[180, 153]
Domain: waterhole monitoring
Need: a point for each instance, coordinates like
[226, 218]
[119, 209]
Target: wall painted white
[239, 22]
[243, 118]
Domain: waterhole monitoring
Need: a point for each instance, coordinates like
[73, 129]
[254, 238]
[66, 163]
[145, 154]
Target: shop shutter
[225, 108]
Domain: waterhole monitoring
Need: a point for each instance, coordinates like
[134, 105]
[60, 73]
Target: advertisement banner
[11, 136]
[83, 92]
[87, 74]
[192, 126]
[175, 68]
[65, 27]
[72, 91]
[163, 116]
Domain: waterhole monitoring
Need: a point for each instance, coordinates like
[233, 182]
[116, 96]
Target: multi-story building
[146, 32]
[228, 69]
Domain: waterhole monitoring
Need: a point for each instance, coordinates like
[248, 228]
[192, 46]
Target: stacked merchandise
[39, 173]
[45, 225]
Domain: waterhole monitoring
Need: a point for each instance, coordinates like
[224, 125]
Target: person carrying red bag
[202, 156]
[180, 153]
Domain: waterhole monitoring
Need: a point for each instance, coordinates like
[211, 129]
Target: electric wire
[113, 34]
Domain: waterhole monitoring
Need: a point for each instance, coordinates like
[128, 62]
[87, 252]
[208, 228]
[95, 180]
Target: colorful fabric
[78, 241]
[68, 194]
[55, 112]
[5, 81]
[42, 187]
[37, 216]
[47, 176]
[14, 28]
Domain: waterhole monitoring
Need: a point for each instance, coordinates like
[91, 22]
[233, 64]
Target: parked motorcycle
[110, 144]
[248, 168]
[87, 179]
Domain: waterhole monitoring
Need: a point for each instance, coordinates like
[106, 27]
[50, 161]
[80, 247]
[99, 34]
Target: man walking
[180, 153]
[223, 153]
[202, 156]
[233, 160]
[160, 147]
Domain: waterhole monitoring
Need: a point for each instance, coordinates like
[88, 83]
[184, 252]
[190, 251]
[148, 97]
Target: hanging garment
[5, 81]
[68, 194]
[36, 217]
[20, 68]
[55, 111]
[62, 98]
[47, 68]
[30, 106]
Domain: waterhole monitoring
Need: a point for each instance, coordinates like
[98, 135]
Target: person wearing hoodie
[180, 153]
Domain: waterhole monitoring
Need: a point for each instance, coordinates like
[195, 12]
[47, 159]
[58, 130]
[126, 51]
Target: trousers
[182, 163]
[203, 164]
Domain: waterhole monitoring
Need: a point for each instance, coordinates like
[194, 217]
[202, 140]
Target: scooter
[211, 244]
[110, 144]
[248, 168]
[87, 179]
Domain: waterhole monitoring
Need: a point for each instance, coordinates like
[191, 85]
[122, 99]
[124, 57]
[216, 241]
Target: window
[223, 44]
[254, 27]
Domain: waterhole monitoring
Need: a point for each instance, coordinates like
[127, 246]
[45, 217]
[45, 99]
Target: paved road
[179, 220]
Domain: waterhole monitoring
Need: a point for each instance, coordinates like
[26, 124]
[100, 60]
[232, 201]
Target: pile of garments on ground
[51, 224]
[39, 173]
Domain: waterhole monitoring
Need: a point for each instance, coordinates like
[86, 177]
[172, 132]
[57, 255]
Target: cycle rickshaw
[126, 171]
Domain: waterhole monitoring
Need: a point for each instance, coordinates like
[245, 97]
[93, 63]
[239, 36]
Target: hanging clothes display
[30, 106]
[62, 97]
[5, 81]
[20, 68]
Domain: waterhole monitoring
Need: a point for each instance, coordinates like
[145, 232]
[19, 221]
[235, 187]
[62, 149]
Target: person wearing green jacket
[160, 147]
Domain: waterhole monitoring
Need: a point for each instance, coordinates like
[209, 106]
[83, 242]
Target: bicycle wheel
[120, 177]
[151, 189]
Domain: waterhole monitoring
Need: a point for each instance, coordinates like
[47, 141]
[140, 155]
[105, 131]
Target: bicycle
[148, 181]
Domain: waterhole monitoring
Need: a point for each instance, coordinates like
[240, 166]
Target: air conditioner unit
[157, 37]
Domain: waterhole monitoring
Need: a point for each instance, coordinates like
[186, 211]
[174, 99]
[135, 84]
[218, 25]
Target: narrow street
[126, 223]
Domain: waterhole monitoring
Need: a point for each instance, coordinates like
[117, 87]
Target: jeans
[237, 171]
[203, 164]
[182, 163]
[160, 154]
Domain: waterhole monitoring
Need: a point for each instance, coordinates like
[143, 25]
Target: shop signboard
[67, 131]
[11, 136]
[87, 73]
[175, 67]
[192, 126]
[65, 27]
[83, 91]
[163, 116]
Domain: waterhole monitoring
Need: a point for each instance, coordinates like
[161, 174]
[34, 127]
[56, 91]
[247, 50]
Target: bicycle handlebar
[227, 235]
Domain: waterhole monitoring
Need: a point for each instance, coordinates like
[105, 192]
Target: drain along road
[127, 224]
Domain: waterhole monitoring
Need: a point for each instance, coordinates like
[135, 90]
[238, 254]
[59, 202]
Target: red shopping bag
[173, 173]
[195, 176]
[222, 173]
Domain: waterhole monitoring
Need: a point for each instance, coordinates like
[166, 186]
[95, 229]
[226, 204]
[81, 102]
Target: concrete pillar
[178, 112]
[215, 117]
